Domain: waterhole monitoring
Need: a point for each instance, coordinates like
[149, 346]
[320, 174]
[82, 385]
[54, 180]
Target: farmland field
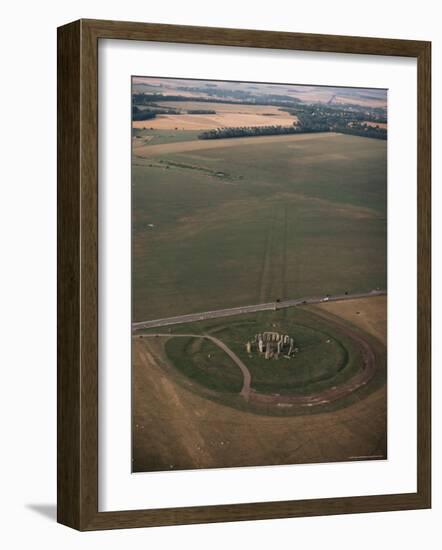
[224, 115]
[157, 137]
[219, 224]
[311, 94]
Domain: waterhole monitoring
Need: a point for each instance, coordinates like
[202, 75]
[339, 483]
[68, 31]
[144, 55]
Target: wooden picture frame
[78, 274]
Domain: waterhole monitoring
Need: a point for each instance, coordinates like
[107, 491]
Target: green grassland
[204, 362]
[229, 226]
[156, 136]
[326, 356]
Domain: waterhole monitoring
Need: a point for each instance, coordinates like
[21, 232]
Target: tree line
[152, 112]
[142, 114]
[249, 131]
[244, 131]
[363, 130]
[201, 112]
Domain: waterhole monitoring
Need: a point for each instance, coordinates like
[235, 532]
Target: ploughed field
[224, 223]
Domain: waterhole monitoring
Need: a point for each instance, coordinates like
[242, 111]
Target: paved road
[270, 306]
[245, 391]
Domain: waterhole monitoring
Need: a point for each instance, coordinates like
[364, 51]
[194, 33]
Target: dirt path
[266, 266]
[283, 292]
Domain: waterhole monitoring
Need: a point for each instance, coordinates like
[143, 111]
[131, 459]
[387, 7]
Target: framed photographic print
[243, 275]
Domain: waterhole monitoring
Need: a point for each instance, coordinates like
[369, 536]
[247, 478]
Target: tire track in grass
[266, 270]
[245, 391]
[284, 255]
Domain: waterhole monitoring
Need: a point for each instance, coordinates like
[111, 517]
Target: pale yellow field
[370, 314]
[197, 145]
[227, 115]
[363, 102]
[323, 95]
[224, 108]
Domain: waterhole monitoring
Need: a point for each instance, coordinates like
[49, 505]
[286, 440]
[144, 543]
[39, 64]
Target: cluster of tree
[364, 130]
[142, 114]
[151, 112]
[201, 112]
[244, 131]
[314, 115]
[379, 112]
[358, 130]
[376, 112]
[325, 118]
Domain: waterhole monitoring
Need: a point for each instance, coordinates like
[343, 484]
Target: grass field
[326, 355]
[202, 361]
[179, 424]
[158, 137]
[255, 220]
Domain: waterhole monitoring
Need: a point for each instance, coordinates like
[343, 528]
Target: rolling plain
[242, 221]
[257, 210]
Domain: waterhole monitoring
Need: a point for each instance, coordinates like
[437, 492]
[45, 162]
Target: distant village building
[272, 345]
